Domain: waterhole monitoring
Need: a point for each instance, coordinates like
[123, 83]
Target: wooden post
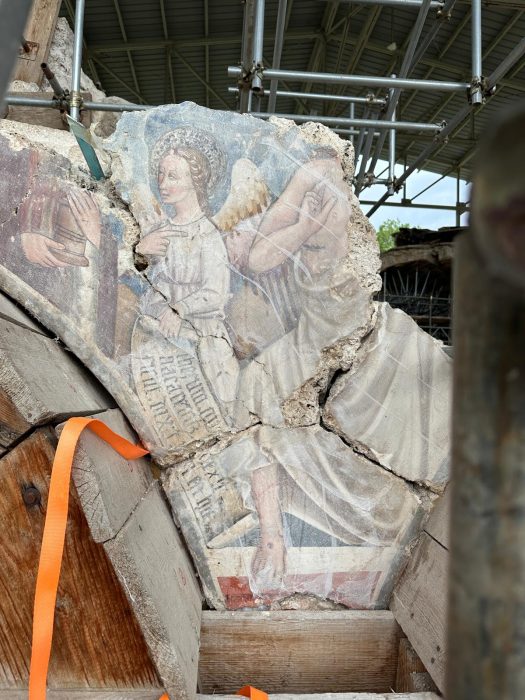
[38, 34]
[486, 633]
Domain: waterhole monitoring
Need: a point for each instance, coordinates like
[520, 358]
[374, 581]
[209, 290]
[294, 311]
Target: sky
[444, 192]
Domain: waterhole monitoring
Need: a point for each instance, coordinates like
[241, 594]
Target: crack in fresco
[223, 288]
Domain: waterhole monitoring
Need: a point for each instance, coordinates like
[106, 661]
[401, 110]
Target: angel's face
[174, 179]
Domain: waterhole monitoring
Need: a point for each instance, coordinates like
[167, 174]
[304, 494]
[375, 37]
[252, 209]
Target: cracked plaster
[246, 375]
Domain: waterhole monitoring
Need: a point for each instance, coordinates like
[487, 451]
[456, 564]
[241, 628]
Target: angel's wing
[248, 195]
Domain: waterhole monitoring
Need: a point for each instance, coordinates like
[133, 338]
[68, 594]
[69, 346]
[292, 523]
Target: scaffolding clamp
[474, 92]
[444, 15]
[76, 99]
[256, 80]
[245, 79]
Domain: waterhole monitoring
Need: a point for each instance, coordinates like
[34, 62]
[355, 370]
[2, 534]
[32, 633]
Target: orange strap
[252, 693]
[53, 542]
[53, 547]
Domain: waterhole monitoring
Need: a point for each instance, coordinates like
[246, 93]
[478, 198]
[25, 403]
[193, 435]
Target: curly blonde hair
[200, 170]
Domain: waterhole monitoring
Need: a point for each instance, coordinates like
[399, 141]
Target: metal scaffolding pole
[392, 156]
[351, 114]
[406, 66]
[491, 82]
[258, 40]
[351, 132]
[246, 55]
[476, 92]
[364, 160]
[458, 197]
[408, 205]
[370, 100]
[366, 80]
[20, 101]
[506, 64]
[435, 4]
[460, 116]
[107, 107]
[277, 51]
[441, 17]
[362, 123]
[361, 137]
[13, 21]
[76, 97]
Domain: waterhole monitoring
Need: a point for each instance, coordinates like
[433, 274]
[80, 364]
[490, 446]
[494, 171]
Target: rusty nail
[31, 496]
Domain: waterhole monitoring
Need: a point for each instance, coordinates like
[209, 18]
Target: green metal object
[85, 142]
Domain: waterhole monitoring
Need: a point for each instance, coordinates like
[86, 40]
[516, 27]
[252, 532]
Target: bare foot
[268, 564]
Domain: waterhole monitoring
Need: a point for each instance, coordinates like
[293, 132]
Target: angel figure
[181, 330]
[297, 297]
[281, 250]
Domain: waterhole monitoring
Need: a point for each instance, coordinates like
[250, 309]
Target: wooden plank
[9, 311]
[420, 682]
[131, 694]
[109, 487]
[408, 662]
[157, 575]
[41, 382]
[419, 603]
[333, 696]
[411, 672]
[69, 694]
[97, 642]
[298, 651]
[44, 116]
[438, 525]
[39, 30]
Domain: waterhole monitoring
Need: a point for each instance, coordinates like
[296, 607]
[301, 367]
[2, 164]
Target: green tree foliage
[386, 233]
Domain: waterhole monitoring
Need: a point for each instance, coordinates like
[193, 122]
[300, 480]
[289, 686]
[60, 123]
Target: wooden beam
[487, 596]
[419, 603]
[109, 487]
[9, 311]
[155, 571]
[134, 694]
[327, 696]
[92, 694]
[299, 651]
[97, 641]
[40, 382]
[411, 672]
[39, 33]
[438, 525]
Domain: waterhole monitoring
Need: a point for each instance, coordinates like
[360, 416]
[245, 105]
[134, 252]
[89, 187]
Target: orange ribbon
[53, 541]
[53, 548]
[252, 693]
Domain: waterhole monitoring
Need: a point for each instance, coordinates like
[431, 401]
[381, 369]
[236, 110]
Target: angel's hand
[87, 215]
[170, 323]
[39, 249]
[155, 243]
[314, 212]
